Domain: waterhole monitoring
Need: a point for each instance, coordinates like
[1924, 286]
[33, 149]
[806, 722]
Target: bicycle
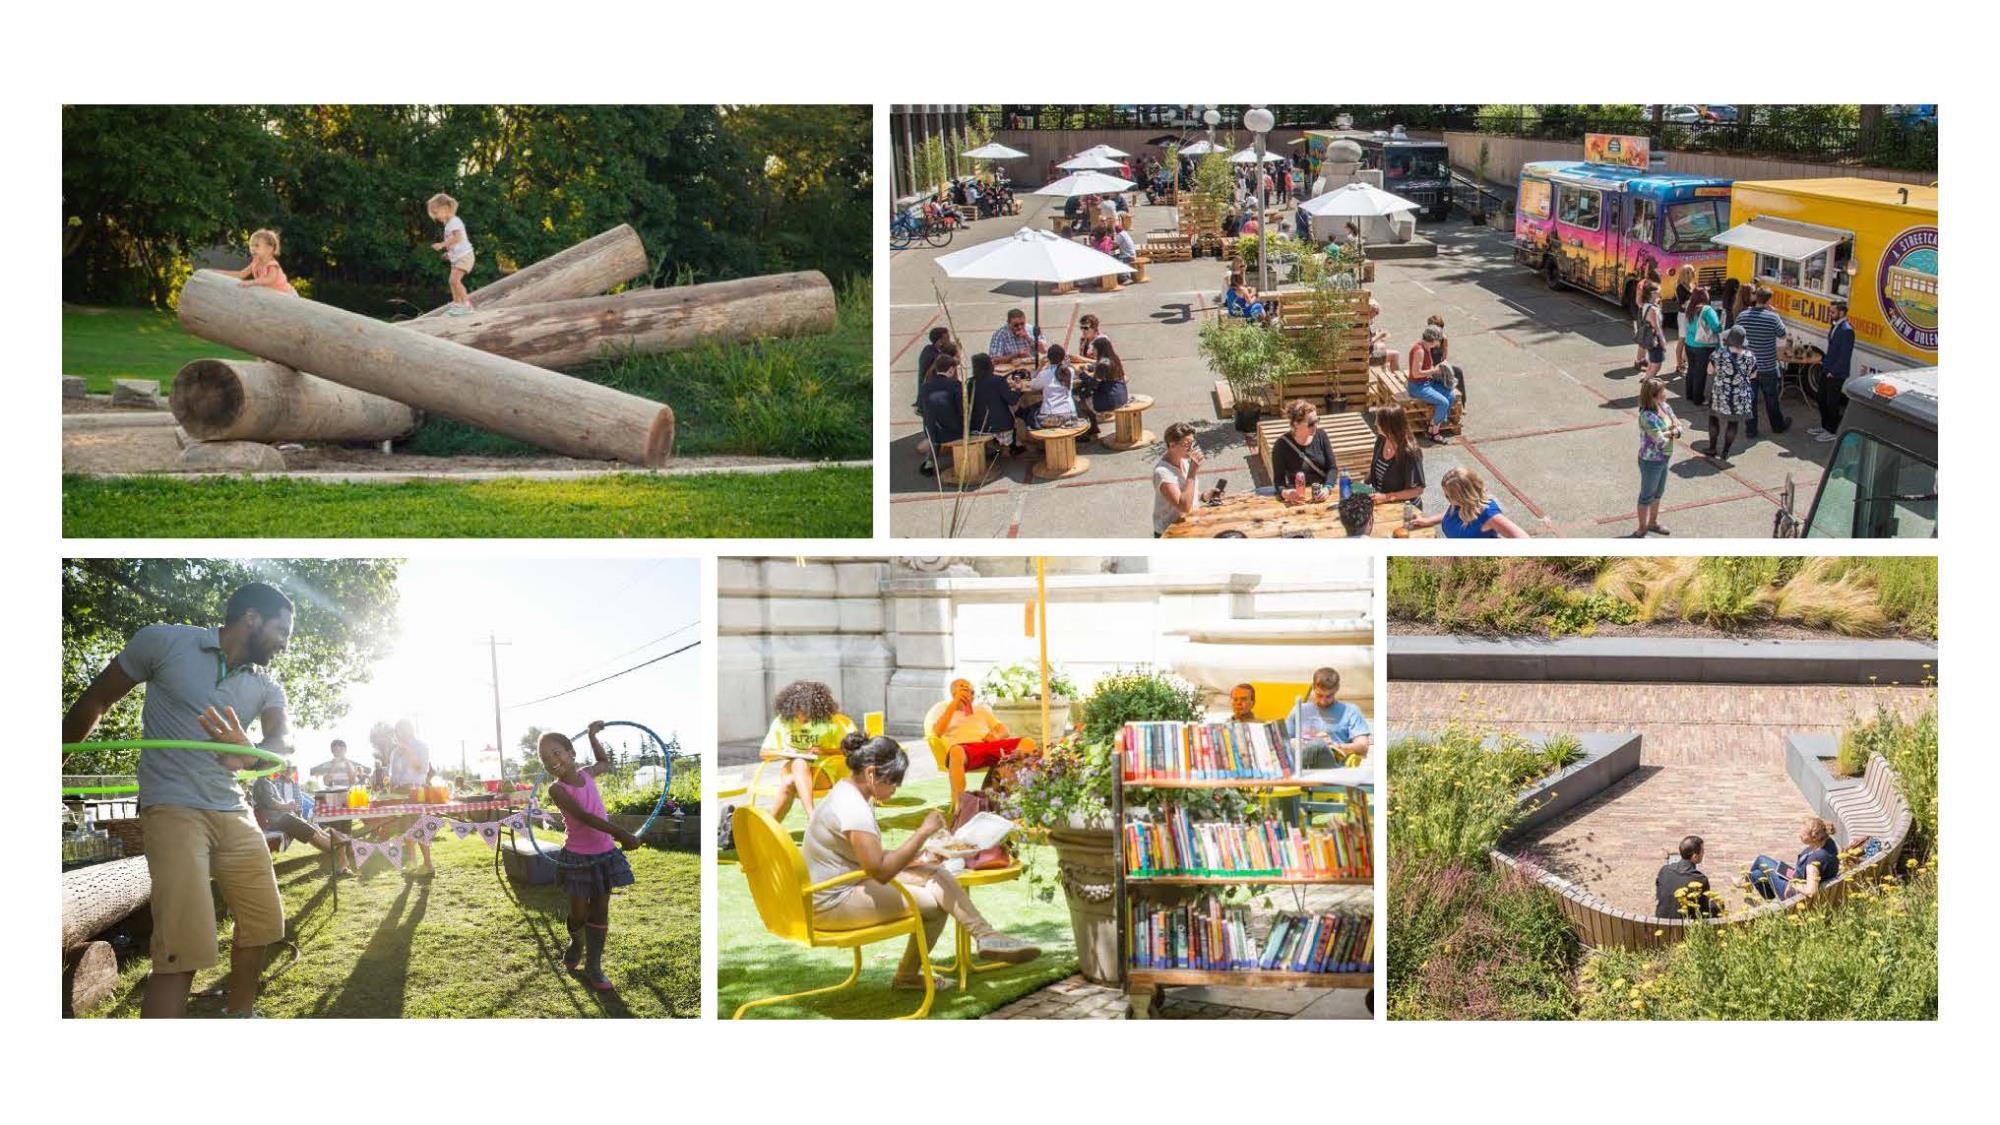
[907, 227]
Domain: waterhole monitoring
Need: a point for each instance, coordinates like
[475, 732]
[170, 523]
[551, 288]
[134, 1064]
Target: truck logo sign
[1907, 287]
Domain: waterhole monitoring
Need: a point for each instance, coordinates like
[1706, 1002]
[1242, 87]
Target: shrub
[1013, 682]
[1451, 798]
[1912, 751]
[1137, 696]
[1469, 943]
[1873, 956]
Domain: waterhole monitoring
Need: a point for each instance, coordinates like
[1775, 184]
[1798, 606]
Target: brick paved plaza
[1712, 763]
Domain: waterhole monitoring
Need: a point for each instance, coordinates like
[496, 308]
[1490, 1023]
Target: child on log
[589, 864]
[263, 270]
[456, 247]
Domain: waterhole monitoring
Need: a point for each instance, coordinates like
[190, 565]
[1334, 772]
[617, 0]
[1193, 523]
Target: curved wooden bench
[968, 458]
[1129, 424]
[1059, 456]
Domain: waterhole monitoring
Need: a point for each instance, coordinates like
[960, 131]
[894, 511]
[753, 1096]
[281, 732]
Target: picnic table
[1261, 515]
[385, 808]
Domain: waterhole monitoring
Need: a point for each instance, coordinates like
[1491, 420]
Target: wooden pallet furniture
[1129, 424]
[1059, 457]
[1352, 441]
[1342, 385]
[1385, 387]
[1143, 985]
[1201, 222]
[1167, 246]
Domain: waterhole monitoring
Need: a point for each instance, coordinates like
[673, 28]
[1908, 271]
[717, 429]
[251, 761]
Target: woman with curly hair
[807, 724]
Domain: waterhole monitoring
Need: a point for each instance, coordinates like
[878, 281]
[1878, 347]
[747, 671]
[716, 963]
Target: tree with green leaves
[343, 622]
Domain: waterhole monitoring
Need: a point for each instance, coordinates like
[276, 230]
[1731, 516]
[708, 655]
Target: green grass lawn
[751, 963]
[106, 344]
[807, 503]
[468, 944]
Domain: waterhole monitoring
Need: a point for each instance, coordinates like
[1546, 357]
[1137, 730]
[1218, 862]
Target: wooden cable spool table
[1261, 515]
[1059, 457]
[1129, 422]
[968, 458]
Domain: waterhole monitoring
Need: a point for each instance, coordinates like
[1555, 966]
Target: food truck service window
[1535, 198]
[1784, 271]
[1644, 212]
[1578, 207]
[1693, 226]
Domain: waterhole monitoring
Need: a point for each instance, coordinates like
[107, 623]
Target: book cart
[1142, 984]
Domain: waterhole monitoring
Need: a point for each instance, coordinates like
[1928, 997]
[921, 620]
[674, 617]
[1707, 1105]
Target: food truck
[1881, 479]
[1871, 241]
[1417, 170]
[1599, 223]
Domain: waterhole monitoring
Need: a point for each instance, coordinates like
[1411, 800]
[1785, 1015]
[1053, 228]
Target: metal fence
[1892, 144]
[1187, 118]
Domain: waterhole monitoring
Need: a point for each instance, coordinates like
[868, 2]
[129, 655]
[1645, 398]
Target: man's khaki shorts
[185, 848]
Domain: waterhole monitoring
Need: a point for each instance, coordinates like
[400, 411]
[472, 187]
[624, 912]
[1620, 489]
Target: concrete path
[1550, 398]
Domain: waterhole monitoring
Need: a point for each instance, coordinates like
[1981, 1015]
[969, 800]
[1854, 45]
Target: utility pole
[493, 654]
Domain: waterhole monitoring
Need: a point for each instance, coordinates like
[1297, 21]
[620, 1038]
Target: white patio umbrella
[994, 151]
[1102, 150]
[1356, 200]
[1089, 162]
[1200, 148]
[1249, 156]
[1085, 183]
[1034, 256]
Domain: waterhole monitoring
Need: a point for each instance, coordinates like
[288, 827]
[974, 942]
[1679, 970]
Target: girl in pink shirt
[264, 270]
[589, 864]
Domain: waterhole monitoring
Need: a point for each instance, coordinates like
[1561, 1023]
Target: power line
[603, 679]
[643, 645]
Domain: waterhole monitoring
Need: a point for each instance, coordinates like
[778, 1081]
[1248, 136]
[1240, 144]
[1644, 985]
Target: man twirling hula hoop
[197, 824]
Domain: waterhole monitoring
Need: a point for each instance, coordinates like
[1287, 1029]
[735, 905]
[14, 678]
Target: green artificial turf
[470, 943]
[106, 344]
[752, 964]
[805, 503]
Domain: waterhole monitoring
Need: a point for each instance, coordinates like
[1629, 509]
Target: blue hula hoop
[666, 784]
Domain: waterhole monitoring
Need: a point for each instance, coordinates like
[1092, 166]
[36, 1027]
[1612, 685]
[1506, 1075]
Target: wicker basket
[129, 832]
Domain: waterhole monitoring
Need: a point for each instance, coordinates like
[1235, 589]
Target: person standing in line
[1699, 340]
[1834, 369]
[1732, 394]
[1762, 329]
[1684, 289]
[1658, 428]
[1648, 332]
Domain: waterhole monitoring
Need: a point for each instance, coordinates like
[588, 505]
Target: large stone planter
[1087, 868]
[1024, 716]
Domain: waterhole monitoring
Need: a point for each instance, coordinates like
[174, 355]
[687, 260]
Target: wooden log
[586, 269]
[556, 412]
[252, 400]
[91, 979]
[100, 896]
[562, 334]
[256, 400]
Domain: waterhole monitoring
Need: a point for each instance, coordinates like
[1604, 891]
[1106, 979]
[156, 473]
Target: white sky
[569, 621]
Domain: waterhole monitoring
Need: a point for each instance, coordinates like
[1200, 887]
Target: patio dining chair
[776, 872]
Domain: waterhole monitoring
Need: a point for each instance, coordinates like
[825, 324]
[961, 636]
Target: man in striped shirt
[1014, 339]
[1763, 329]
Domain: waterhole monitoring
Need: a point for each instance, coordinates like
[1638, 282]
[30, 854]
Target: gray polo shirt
[184, 673]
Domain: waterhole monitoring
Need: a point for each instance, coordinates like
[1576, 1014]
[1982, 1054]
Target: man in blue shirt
[1322, 726]
[1834, 369]
[1764, 328]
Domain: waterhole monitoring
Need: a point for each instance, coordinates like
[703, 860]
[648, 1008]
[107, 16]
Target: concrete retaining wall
[1607, 757]
[1660, 660]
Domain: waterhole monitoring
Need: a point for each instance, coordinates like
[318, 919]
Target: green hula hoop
[277, 761]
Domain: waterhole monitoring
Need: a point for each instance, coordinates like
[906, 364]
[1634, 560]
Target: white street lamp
[1258, 120]
[1211, 118]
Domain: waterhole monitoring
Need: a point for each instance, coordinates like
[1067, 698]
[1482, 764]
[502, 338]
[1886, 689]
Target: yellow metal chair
[776, 872]
[962, 961]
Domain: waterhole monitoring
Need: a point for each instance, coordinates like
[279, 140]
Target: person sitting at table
[930, 350]
[1056, 382]
[1107, 212]
[1323, 726]
[993, 403]
[805, 726]
[1232, 221]
[941, 400]
[974, 737]
[1470, 513]
[1243, 703]
[1122, 246]
[843, 837]
[1396, 471]
[1174, 486]
[1103, 243]
[1014, 339]
[1241, 300]
[1105, 385]
[1302, 457]
[1089, 330]
[1353, 238]
[1251, 224]
[1380, 354]
[1073, 212]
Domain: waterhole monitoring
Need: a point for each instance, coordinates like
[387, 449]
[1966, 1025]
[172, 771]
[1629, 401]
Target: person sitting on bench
[1241, 300]
[1818, 864]
[1680, 890]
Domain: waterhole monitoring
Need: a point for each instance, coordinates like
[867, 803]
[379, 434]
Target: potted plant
[1065, 793]
[1251, 358]
[1014, 691]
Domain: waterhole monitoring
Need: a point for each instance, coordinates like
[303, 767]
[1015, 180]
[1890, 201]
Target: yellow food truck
[1871, 241]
